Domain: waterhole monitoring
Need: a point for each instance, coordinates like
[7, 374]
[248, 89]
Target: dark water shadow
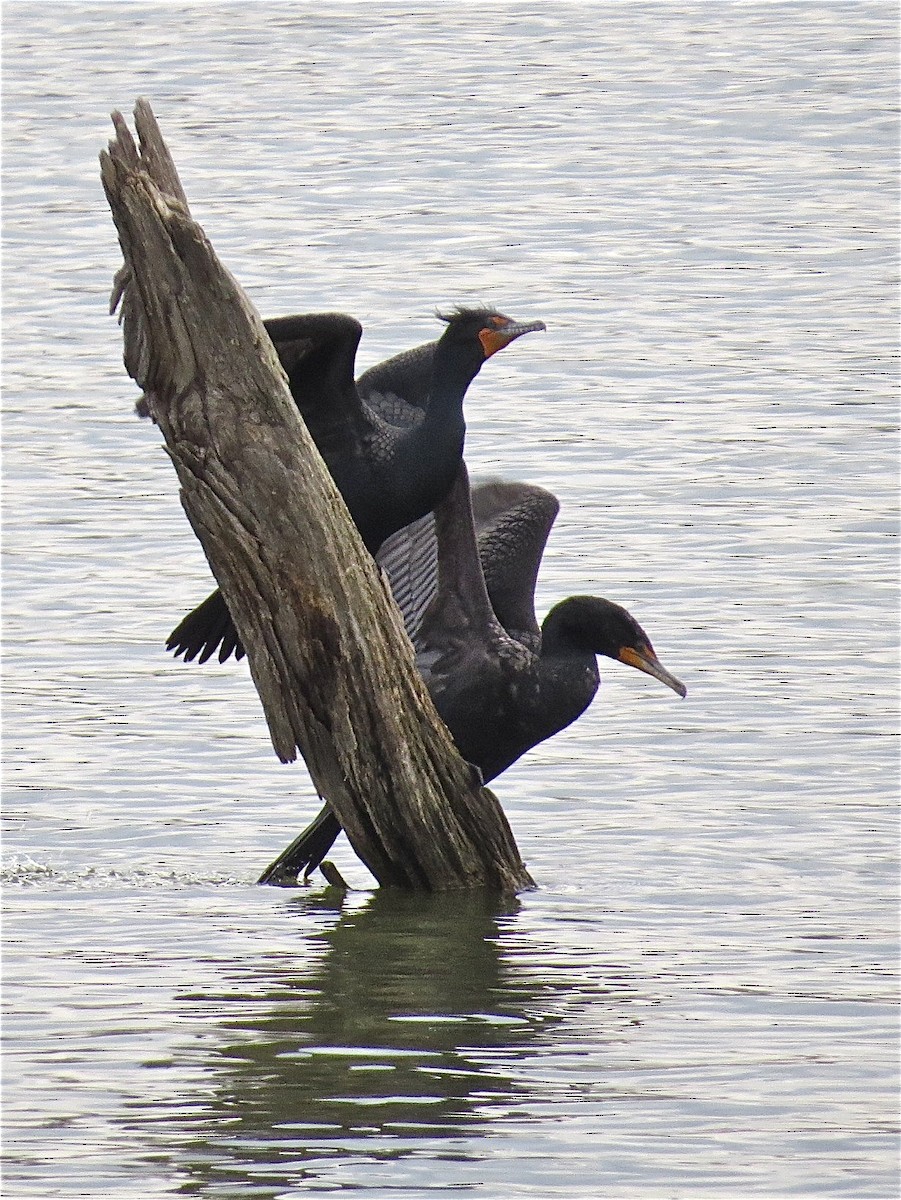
[404, 1031]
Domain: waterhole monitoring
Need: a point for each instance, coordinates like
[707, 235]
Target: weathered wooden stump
[325, 643]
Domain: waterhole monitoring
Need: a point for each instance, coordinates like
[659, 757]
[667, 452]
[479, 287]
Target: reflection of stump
[325, 643]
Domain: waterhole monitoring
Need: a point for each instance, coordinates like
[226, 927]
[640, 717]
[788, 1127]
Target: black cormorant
[392, 441]
[500, 683]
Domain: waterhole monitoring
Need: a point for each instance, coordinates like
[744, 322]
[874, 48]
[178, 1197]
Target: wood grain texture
[325, 643]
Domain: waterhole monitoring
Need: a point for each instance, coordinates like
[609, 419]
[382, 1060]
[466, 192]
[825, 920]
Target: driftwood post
[325, 642]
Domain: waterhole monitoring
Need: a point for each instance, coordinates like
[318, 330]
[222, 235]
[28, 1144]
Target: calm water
[699, 999]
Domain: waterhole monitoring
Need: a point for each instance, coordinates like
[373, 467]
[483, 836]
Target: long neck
[452, 373]
[569, 670]
[435, 445]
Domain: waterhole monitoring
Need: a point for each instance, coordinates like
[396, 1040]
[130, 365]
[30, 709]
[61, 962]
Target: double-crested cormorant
[499, 683]
[392, 441]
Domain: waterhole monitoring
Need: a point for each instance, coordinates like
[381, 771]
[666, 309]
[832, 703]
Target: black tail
[208, 628]
[306, 852]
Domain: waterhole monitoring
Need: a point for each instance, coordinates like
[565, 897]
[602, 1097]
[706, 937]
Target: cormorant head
[484, 330]
[602, 627]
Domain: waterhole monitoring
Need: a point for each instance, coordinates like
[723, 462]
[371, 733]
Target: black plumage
[500, 683]
[392, 441]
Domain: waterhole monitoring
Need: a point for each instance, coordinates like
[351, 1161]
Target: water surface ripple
[700, 998]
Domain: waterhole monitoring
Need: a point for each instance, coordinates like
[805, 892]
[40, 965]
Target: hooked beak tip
[651, 665]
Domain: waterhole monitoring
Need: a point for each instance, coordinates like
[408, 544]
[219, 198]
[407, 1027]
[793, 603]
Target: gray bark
[325, 643]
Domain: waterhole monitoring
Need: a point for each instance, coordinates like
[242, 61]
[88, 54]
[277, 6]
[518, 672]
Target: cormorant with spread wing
[392, 441]
[501, 684]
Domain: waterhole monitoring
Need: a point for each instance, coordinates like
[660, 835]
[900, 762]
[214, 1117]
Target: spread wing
[317, 352]
[410, 560]
[206, 629]
[512, 523]
[398, 388]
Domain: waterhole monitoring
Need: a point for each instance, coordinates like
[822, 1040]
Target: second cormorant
[499, 682]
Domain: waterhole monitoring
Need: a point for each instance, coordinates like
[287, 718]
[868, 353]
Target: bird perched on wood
[392, 441]
[466, 587]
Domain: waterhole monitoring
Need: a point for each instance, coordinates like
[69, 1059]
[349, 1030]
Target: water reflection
[411, 1022]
